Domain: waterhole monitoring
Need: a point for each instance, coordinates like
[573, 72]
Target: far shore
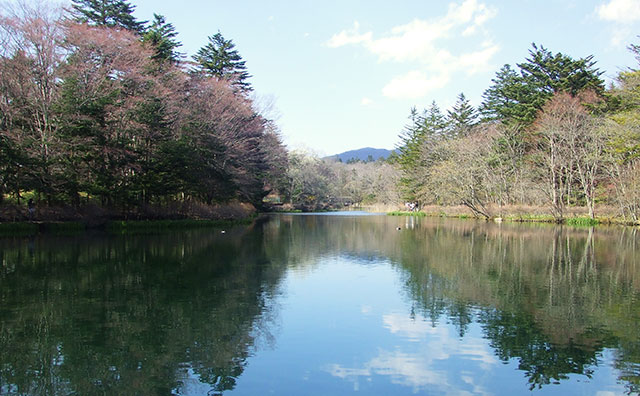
[575, 215]
[65, 220]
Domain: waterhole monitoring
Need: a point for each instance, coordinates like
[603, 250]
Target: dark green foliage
[417, 139]
[518, 96]
[219, 58]
[461, 118]
[162, 37]
[109, 13]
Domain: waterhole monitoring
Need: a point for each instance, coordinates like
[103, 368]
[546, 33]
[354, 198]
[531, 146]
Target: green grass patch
[582, 221]
[406, 213]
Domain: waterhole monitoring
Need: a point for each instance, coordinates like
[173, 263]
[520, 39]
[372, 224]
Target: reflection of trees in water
[545, 296]
[118, 314]
[139, 314]
[550, 297]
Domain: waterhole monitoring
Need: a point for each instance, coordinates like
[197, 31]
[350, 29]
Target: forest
[99, 110]
[547, 134]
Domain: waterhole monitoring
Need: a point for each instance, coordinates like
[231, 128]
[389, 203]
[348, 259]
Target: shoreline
[575, 221]
[64, 220]
[30, 228]
[35, 227]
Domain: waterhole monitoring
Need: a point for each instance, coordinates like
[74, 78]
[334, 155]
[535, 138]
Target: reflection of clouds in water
[408, 369]
[476, 349]
[412, 329]
[424, 368]
[403, 368]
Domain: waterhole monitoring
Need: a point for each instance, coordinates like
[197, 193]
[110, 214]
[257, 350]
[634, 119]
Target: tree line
[548, 133]
[99, 107]
[96, 106]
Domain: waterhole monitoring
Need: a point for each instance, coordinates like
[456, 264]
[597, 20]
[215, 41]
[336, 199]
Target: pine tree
[461, 118]
[219, 58]
[110, 13]
[519, 96]
[417, 140]
[161, 35]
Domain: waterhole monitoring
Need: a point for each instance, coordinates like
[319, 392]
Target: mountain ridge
[363, 154]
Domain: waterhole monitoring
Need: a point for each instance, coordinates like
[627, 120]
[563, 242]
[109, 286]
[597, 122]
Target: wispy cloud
[350, 36]
[415, 84]
[366, 102]
[424, 43]
[622, 13]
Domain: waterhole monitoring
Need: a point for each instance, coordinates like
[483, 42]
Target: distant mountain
[363, 154]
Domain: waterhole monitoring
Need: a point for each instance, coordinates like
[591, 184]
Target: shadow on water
[142, 314]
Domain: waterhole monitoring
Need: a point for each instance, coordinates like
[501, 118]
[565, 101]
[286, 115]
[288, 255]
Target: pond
[324, 305]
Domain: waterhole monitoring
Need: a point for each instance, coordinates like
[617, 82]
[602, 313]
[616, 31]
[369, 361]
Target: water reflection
[310, 304]
[419, 364]
[127, 314]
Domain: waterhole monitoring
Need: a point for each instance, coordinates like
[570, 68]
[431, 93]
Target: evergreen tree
[461, 118]
[518, 97]
[434, 122]
[417, 140]
[111, 13]
[219, 58]
[161, 35]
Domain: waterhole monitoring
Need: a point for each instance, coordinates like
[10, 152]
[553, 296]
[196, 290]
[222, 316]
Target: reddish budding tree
[30, 62]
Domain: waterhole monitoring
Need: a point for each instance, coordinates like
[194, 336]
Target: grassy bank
[575, 216]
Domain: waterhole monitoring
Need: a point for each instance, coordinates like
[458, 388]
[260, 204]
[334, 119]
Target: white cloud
[620, 11]
[424, 43]
[350, 36]
[478, 61]
[366, 102]
[414, 84]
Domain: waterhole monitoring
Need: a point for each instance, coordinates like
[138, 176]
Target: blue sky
[342, 75]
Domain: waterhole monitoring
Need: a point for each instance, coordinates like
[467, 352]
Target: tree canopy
[109, 13]
[103, 112]
[219, 58]
[517, 96]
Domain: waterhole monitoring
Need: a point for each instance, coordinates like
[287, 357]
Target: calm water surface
[324, 305]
